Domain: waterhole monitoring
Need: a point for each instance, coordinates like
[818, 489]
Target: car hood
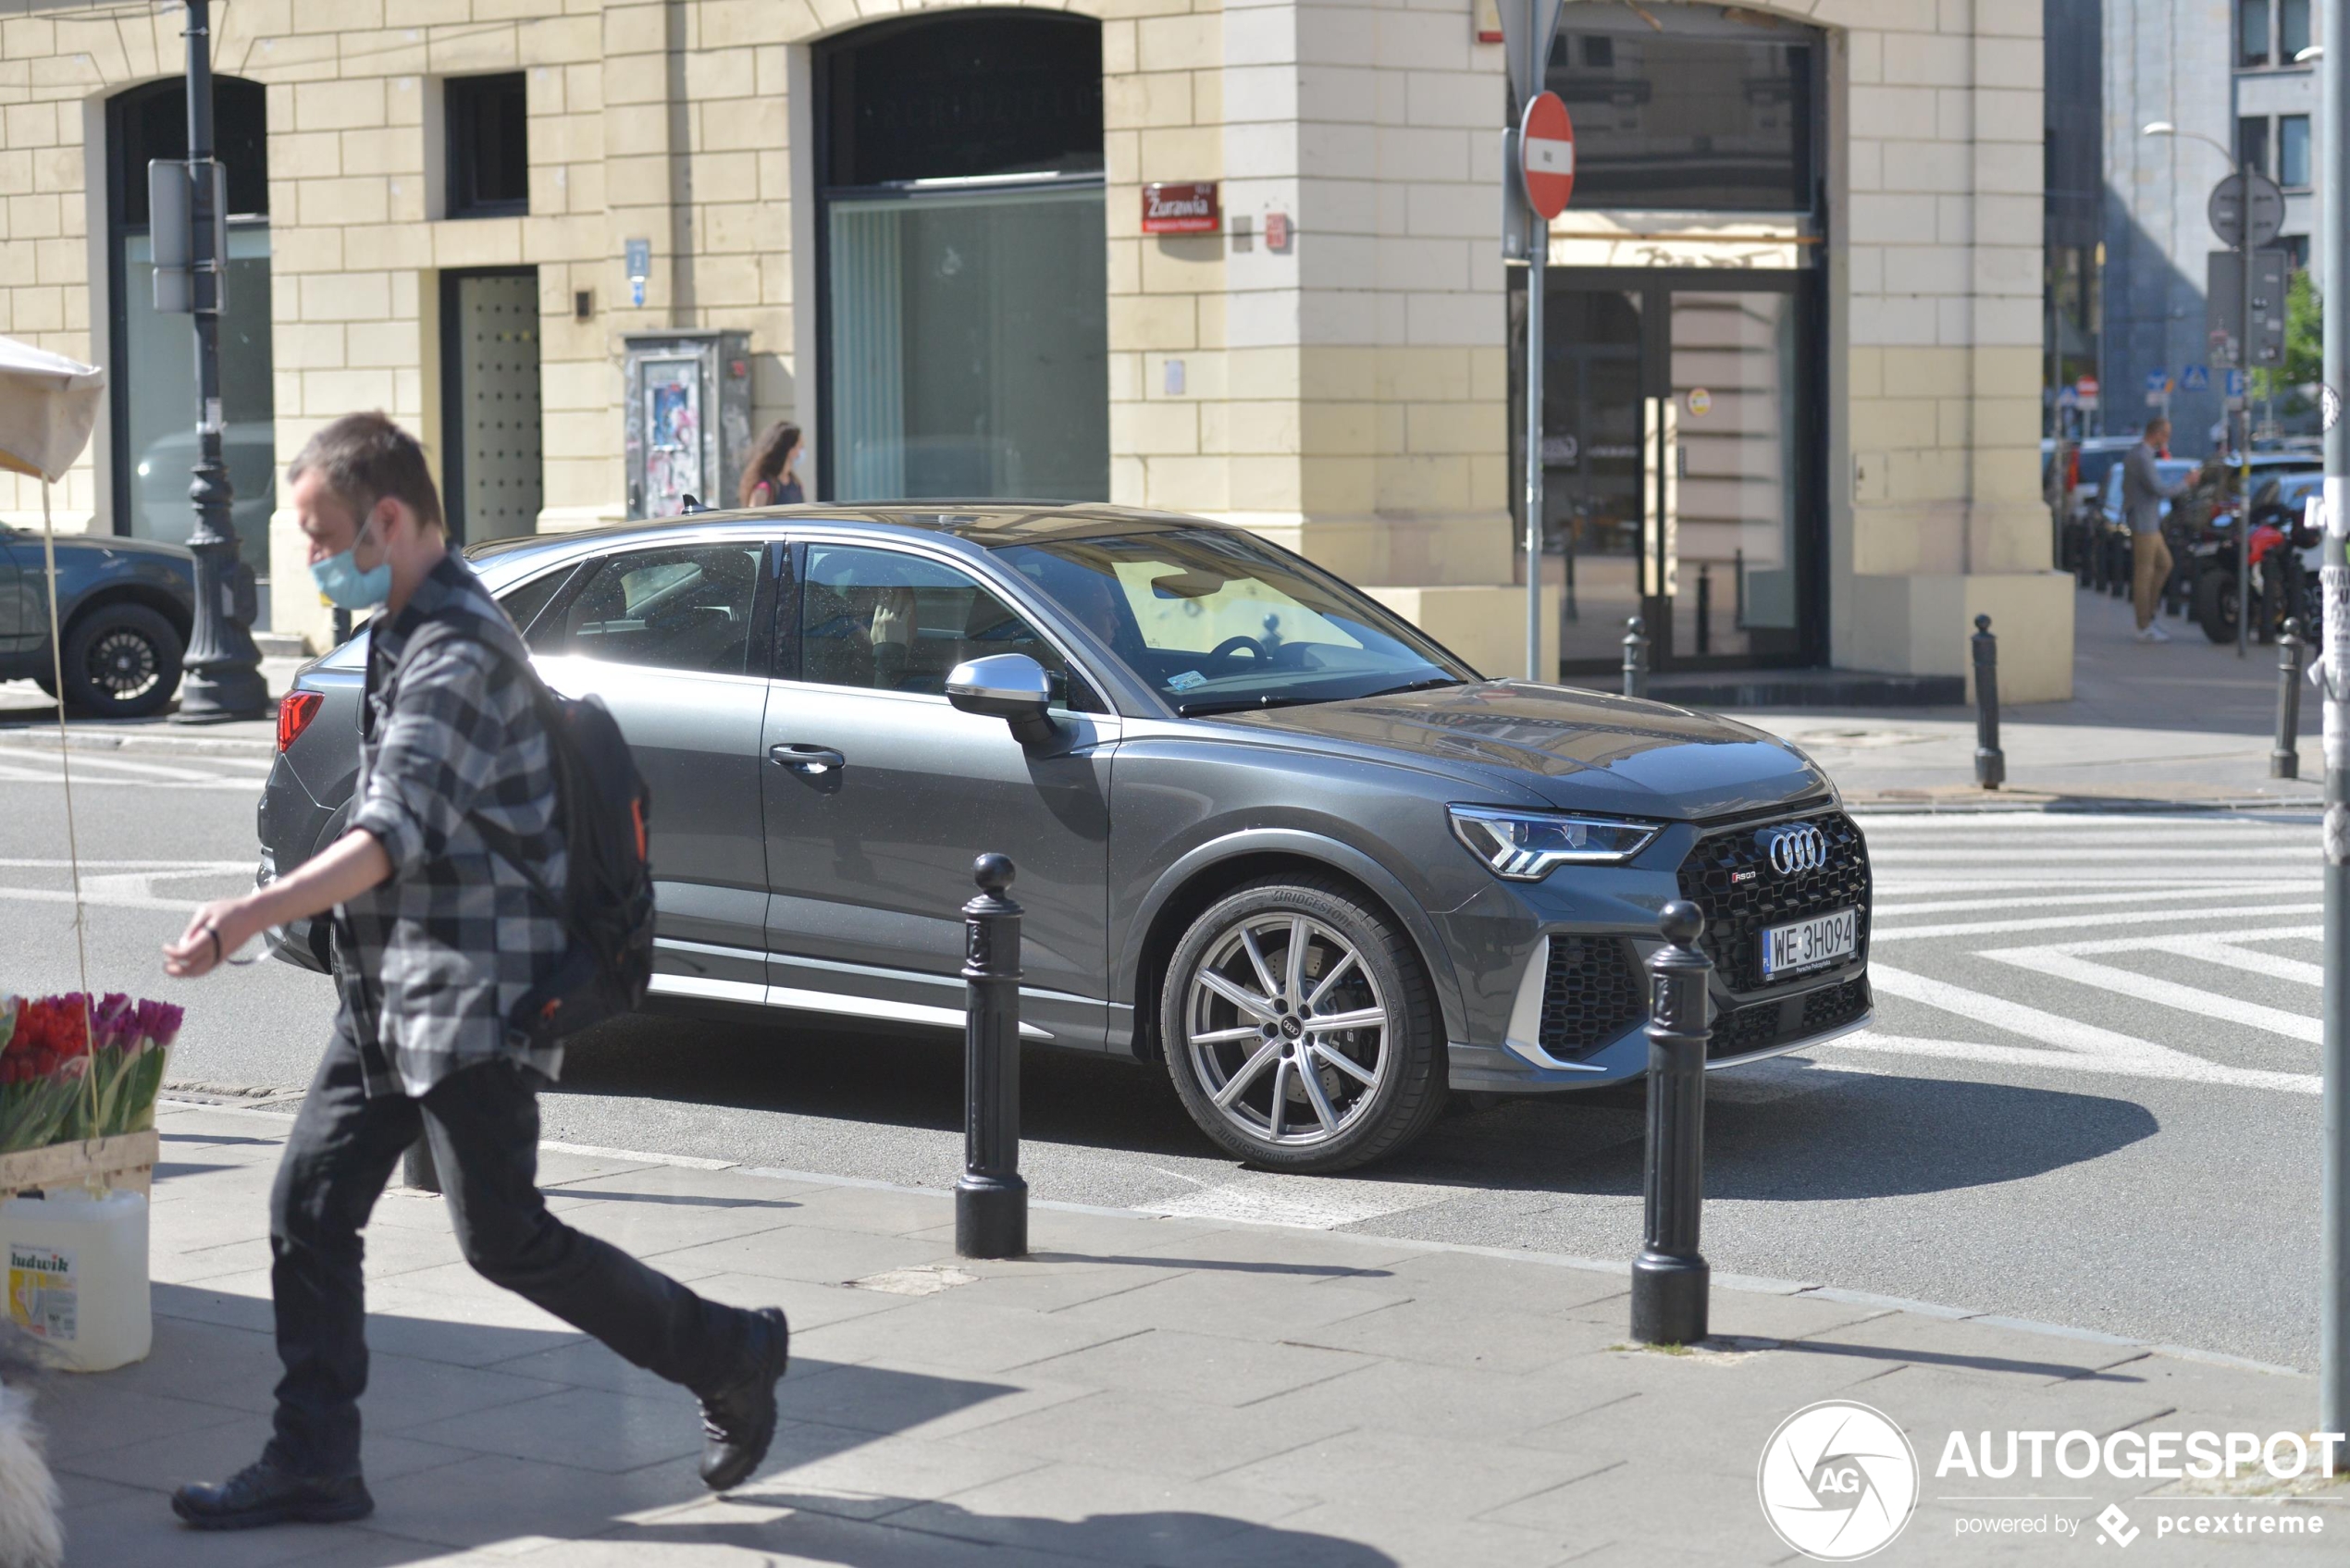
[1584, 750]
[120, 545]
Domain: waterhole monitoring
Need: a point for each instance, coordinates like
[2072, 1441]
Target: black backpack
[607, 902]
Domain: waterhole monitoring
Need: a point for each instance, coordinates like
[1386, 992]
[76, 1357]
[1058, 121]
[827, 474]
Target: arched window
[964, 263]
[152, 372]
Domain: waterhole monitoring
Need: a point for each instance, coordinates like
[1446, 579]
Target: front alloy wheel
[1299, 1030]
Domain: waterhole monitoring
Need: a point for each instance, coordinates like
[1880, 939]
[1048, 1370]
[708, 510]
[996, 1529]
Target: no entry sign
[1546, 154]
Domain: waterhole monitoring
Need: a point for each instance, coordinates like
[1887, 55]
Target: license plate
[1807, 944]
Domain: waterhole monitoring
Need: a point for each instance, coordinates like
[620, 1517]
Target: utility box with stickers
[687, 424]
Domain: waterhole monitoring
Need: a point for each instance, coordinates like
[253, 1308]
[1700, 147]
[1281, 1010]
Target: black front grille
[1758, 1026]
[1592, 993]
[1729, 876]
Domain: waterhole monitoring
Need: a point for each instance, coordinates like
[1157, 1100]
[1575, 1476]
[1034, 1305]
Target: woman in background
[768, 478]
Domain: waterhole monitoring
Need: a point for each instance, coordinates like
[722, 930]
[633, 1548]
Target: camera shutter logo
[1838, 1481]
[1794, 850]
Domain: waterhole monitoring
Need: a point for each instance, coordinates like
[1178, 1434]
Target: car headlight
[1523, 846]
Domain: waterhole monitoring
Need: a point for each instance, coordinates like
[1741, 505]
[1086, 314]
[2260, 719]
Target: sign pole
[1535, 356]
[2243, 421]
[1537, 175]
[2333, 1320]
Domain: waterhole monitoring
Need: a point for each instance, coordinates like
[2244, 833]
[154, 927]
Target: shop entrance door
[1680, 474]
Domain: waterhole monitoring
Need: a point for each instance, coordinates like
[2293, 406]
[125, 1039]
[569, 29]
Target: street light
[223, 668]
[2243, 367]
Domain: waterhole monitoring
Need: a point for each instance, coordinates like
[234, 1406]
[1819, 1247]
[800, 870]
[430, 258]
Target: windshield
[1216, 620]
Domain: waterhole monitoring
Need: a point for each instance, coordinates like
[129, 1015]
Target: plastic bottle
[77, 1281]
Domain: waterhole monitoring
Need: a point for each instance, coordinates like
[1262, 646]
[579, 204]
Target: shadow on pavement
[476, 1435]
[899, 1531]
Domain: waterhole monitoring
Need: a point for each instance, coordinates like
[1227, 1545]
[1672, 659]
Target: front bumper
[1553, 974]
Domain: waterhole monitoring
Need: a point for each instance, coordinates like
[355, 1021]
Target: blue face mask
[346, 587]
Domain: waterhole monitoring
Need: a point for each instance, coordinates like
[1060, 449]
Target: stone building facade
[1331, 367]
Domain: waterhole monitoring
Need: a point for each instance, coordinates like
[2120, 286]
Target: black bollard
[1669, 1279]
[418, 1168]
[1636, 658]
[1990, 763]
[991, 1201]
[1704, 609]
[2284, 760]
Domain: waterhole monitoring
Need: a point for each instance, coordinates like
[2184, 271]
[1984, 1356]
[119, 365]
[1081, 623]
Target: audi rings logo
[1797, 850]
[1838, 1481]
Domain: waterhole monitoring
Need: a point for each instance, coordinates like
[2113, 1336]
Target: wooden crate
[126, 1163]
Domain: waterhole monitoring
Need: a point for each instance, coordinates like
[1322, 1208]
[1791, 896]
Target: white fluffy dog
[30, 1534]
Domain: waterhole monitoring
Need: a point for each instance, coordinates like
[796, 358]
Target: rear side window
[680, 608]
[522, 605]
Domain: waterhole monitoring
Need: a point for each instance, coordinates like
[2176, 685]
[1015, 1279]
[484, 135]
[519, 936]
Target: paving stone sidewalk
[1140, 1390]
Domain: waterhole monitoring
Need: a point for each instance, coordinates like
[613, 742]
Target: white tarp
[47, 405]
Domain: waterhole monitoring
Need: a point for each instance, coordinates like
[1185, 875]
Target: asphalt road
[2088, 1100]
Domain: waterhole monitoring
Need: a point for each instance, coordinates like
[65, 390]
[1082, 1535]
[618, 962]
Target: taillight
[294, 715]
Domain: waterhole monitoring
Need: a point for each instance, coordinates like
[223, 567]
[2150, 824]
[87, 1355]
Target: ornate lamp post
[223, 668]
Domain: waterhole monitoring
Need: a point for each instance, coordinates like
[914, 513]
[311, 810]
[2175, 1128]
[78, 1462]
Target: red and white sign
[1546, 154]
[1188, 208]
[2086, 386]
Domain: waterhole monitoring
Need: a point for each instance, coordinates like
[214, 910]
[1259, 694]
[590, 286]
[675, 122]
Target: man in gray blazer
[2143, 492]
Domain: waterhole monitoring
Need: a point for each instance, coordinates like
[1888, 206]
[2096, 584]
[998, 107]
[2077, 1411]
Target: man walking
[440, 926]
[2143, 492]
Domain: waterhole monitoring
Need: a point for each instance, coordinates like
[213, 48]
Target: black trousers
[483, 1124]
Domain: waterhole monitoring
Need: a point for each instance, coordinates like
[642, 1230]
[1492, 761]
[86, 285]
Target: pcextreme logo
[1838, 1481]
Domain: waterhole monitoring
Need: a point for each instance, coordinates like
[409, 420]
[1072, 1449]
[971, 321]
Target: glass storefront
[154, 369]
[965, 270]
[1682, 401]
[969, 350]
[157, 433]
[1676, 450]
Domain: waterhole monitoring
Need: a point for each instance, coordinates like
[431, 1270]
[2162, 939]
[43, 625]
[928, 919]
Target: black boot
[263, 1494]
[739, 1419]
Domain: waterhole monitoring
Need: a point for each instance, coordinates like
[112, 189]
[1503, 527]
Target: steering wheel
[1222, 652]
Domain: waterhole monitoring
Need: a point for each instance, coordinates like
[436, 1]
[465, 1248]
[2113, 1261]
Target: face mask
[346, 587]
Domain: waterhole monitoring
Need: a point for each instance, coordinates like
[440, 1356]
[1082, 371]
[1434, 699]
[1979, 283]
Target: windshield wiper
[1212, 705]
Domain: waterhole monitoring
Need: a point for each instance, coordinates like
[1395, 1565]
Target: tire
[1381, 1083]
[2215, 605]
[122, 661]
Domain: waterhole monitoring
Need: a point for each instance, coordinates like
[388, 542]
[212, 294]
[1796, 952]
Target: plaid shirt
[435, 957]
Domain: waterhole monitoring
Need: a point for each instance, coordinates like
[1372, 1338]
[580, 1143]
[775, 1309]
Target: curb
[43, 737]
[1753, 1284]
[2079, 805]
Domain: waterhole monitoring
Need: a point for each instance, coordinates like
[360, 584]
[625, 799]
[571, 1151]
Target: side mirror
[1010, 686]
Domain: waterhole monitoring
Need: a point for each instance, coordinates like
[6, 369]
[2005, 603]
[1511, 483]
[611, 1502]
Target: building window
[2252, 32]
[151, 381]
[1697, 113]
[2292, 29]
[2293, 151]
[489, 136]
[2252, 144]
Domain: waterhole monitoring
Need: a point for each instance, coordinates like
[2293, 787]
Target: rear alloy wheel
[122, 661]
[1299, 1030]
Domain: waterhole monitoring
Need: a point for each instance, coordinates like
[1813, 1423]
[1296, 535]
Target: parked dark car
[1266, 832]
[125, 606]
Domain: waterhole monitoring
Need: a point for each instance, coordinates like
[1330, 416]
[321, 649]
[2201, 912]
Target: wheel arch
[1209, 872]
[144, 595]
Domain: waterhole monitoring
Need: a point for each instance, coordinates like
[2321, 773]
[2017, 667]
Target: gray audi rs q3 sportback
[1266, 832]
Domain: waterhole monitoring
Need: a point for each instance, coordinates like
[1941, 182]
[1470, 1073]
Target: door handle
[808, 760]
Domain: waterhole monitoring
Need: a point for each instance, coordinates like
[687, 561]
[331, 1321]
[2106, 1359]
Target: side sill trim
[795, 999]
